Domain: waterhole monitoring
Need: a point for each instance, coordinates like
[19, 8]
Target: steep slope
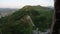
[18, 24]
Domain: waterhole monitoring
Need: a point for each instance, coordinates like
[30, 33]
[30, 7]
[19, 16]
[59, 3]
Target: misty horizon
[21, 3]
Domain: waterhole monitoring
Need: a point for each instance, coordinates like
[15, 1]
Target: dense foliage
[15, 23]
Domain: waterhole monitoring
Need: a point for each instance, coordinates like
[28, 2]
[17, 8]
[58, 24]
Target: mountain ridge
[16, 23]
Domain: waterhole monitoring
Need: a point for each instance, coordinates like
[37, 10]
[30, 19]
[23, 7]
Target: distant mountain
[6, 11]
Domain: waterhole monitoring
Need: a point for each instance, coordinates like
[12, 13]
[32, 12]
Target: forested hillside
[18, 23]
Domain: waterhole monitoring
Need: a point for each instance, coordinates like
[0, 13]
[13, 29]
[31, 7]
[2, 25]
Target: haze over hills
[7, 11]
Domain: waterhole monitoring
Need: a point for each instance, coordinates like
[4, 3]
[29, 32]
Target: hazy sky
[21, 3]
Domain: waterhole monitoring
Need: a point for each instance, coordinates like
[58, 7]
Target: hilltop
[17, 22]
